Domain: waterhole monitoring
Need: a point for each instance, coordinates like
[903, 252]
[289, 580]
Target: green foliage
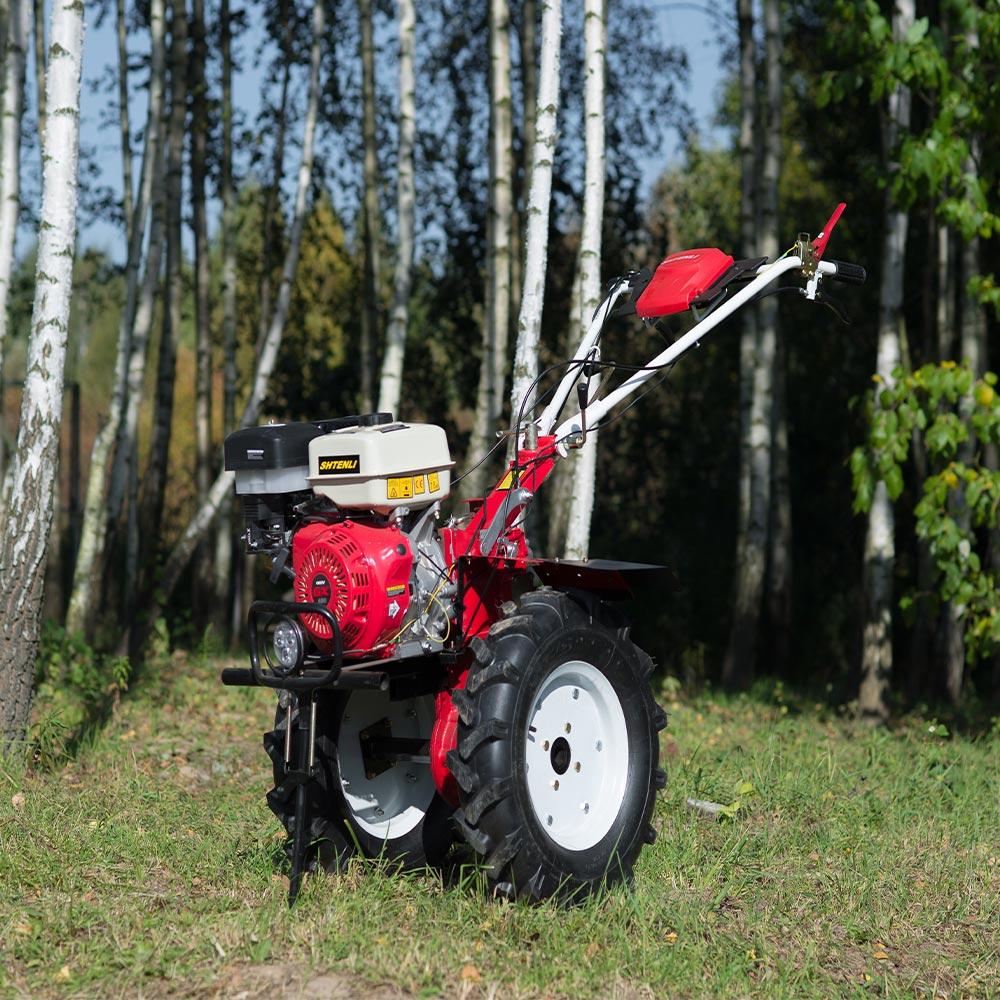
[75, 688]
[954, 417]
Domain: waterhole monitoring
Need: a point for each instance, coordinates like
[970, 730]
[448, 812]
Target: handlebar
[850, 274]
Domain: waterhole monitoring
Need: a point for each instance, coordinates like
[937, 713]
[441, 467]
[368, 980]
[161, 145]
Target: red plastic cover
[681, 278]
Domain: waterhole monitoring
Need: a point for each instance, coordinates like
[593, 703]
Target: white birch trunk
[758, 375]
[196, 528]
[594, 42]
[496, 324]
[522, 178]
[36, 460]
[370, 214]
[529, 323]
[880, 546]
[155, 478]
[18, 27]
[399, 318]
[124, 123]
[79, 615]
[224, 540]
[39, 39]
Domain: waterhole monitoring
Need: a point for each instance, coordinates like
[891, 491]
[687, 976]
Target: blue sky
[680, 23]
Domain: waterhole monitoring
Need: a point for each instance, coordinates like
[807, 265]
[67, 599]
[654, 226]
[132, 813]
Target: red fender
[444, 737]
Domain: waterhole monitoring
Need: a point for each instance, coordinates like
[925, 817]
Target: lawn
[853, 863]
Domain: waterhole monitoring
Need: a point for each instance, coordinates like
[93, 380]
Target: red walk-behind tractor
[436, 680]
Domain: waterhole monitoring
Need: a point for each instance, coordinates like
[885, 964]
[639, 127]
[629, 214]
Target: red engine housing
[362, 573]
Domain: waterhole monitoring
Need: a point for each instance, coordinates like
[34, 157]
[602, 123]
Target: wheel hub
[576, 755]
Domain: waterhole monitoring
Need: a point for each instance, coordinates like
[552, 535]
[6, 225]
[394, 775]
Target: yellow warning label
[418, 485]
[507, 481]
[400, 488]
[433, 482]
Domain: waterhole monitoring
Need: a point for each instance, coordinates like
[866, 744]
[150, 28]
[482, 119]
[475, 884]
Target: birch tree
[36, 460]
[522, 175]
[369, 208]
[208, 511]
[496, 322]
[124, 123]
[18, 26]
[199, 227]
[529, 322]
[93, 533]
[737, 664]
[39, 38]
[880, 550]
[585, 465]
[395, 338]
[154, 482]
[224, 543]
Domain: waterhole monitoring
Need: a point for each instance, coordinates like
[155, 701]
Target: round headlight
[289, 645]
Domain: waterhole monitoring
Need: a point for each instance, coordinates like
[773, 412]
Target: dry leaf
[881, 954]
[22, 928]
[592, 949]
[670, 937]
[471, 974]
[62, 975]
[17, 801]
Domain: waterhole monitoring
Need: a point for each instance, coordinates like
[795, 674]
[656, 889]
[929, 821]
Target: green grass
[856, 863]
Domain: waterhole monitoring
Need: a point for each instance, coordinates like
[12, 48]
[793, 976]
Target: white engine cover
[381, 468]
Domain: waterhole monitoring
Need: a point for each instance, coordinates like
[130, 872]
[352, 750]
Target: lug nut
[555, 785]
[548, 820]
[585, 806]
[545, 745]
[568, 727]
[576, 693]
[598, 746]
[576, 767]
[411, 778]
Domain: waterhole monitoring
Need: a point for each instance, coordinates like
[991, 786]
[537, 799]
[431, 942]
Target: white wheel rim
[576, 755]
[392, 803]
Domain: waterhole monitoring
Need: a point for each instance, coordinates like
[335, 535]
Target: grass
[854, 863]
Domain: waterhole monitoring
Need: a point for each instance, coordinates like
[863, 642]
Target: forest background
[827, 494]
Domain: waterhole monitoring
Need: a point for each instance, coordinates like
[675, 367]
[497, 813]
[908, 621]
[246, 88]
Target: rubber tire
[334, 837]
[496, 817]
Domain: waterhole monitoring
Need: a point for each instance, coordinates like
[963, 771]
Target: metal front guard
[324, 671]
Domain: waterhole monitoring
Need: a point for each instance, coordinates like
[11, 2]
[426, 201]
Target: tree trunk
[124, 124]
[946, 294]
[125, 471]
[199, 226]
[18, 27]
[529, 321]
[755, 487]
[272, 196]
[39, 39]
[880, 552]
[154, 481]
[36, 460]
[196, 528]
[974, 353]
[496, 324]
[224, 541]
[594, 43]
[370, 219]
[522, 176]
[780, 533]
[79, 616]
[395, 338]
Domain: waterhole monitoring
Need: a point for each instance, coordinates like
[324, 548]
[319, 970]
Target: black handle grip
[850, 274]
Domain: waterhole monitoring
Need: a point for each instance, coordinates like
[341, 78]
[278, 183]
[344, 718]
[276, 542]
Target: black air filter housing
[286, 446]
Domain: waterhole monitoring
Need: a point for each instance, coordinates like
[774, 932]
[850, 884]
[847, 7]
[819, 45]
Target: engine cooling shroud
[361, 573]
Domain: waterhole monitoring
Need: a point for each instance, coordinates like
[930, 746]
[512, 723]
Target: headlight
[289, 644]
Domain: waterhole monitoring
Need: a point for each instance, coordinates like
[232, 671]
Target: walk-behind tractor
[436, 680]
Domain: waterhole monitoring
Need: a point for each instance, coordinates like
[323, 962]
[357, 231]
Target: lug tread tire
[496, 818]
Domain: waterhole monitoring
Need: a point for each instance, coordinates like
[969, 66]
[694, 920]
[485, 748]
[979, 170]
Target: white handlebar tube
[551, 412]
[601, 407]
